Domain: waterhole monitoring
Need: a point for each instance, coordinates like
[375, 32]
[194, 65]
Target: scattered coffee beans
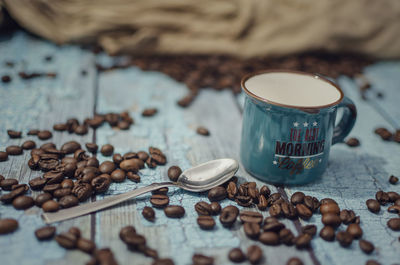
[14, 150]
[353, 142]
[354, 230]
[294, 261]
[3, 156]
[174, 211]
[203, 131]
[236, 255]
[217, 194]
[8, 225]
[205, 222]
[228, 215]
[174, 172]
[366, 246]
[344, 238]
[373, 205]
[44, 135]
[149, 112]
[14, 134]
[254, 254]
[393, 180]
[107, 150]
[199, 259]
[327, 233]
[148, 213]
[159, 200]
[45, 233]
[394, 224]
[23, 202]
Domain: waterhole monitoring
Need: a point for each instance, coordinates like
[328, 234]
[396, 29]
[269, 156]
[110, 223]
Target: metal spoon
[199, 178]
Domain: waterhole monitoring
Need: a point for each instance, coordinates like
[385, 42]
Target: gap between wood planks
[281, 190]
[93, 197]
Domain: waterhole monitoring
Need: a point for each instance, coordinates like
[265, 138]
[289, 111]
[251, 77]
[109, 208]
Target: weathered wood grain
[39, 103]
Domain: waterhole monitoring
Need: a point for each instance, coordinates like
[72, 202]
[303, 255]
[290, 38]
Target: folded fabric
[245, 28]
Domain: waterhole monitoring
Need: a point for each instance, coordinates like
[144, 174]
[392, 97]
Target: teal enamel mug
[288, 125]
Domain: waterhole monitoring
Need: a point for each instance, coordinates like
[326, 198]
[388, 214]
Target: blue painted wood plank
[38, 104]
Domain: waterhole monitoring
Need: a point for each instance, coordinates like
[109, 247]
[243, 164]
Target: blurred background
[214, 43]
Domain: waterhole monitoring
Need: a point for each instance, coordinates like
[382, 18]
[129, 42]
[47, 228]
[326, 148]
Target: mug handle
[347, 122]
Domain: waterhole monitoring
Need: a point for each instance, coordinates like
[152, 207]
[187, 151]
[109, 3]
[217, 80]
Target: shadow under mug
[286, 144]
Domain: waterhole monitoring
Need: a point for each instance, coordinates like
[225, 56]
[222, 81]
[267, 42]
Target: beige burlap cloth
[245, 28]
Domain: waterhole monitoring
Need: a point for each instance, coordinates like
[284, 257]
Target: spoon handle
[99, 205]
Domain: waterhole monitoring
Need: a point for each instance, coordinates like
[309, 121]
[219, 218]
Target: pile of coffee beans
[223, 72]
[386, 198]
[69, 180]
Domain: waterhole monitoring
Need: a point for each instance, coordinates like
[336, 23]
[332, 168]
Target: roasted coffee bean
[133, 177]
[107, 167]
[160, 159]
[53, 177]
[151, 163]
[254, 194]
[6, 79]
[92, 147]
[42, 198]
[382, 197]
[149, 252]
[373, 205]
[199, 259]
[327, 233]
[135, 241]
[86, 245]
[275, 210]
[50, 206]
[366, 246]
[331, 219]
[163, 262]
[47, 146]
[353, 142]
[312, 203]
[329, 208]
[48, 164]
[44, 135]
[148, 213]
[159, 201]
[123, 125]
[215, 208]
[67, 240]
[104, 257]
[61, 192]
[132, 165]
[269, 238]
[273, 198]
[344, 238]
[75, 231]
[286, 237]
[203, 131]
[236, 255]
[8, 225]
[81, 129]
[117, 158]
[393, 196]
[101, 183]
[126, 232]
[327, 200]
[250, 217]
[67, 184]
[60, 127]
[174, 211]
[3, 156]
[262, 203]
[347, 216]
[6, 184]
[294, 261]
[142, 155]
[303, 241]
[354, 230]
[391, 209]
[33, 132]
[244, 201]
[45, 233]
[129, 155]
[228, 215]
[107, 150]
[14, 150]
[265, 191]
[217, 194]
[163, 191]
[68, 201]
[51, 187]
[118, 175]
[28, 145]
[297, 197]
[232, 190]
[149, 112]
[14, 134]
[309, 229]
[254, 254]
[393, 180]
[205, 222]
[251, 229]
[82, 191]
[394, 224]
[288, 210]
[174, 172]
[203, 208]
[272, 225]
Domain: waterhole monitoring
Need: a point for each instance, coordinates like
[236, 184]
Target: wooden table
[353, 175]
